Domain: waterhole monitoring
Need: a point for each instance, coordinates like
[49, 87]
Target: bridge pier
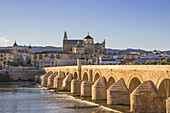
[67, 82]
[76, 86]
[44, 79]
[118, 94]
[90, 75]
[86, 87]
[58, 80]
[168, 105]
[50, 81]
[145, 99]
[37, 79]
[99, 89]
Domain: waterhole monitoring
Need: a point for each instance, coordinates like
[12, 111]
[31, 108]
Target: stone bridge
[124, 80]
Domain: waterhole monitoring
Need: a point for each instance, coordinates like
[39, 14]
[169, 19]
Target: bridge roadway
[132, 76]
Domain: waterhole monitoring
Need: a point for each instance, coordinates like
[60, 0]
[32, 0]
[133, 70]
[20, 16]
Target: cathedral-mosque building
[71, 51]
[85, 46]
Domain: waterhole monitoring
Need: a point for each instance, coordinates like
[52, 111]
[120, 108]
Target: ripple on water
[16, 99]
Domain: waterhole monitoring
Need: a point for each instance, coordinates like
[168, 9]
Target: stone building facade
[85, 46]
[15, 56]
[71, 51]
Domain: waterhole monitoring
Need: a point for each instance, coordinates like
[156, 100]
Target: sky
[139, 24]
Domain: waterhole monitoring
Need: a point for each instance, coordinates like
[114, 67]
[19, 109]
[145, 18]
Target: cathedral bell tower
[65, 35]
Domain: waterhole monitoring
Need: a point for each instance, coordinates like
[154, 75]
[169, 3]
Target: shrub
[4, 77]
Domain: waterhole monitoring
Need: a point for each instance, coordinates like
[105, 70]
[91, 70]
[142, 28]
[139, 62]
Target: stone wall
[23, 74]
[61, 62]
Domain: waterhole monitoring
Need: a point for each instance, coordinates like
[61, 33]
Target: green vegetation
[166, 61]
[152, 62]
[94, 54]
[27, 65]
[75, 106]
[4, 77]
[148, 62]
[134, 62]
[18, 64]
[0, 67]
[86, 59]
[51, 87]
[61, 89]
[81, 107]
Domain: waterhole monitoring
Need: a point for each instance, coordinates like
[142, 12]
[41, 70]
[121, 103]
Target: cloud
[4, 41]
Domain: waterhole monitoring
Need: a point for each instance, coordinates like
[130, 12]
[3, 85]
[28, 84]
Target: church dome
[30, 46]
[88, 37]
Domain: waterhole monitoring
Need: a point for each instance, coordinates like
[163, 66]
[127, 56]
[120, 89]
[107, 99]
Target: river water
[24, 98]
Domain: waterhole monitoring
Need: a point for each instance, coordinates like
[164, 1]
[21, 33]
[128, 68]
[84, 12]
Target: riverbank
[25, 97]
[101, 103]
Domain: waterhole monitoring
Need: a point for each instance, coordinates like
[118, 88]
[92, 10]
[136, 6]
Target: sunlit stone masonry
[58, 80]
[99, 89]
[168, 105]
[67, 82]
[118, 93]
[45, 78]
[50, 80]
[145, 99]
[75, 86]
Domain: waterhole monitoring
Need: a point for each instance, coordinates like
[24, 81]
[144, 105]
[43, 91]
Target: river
[21, 97]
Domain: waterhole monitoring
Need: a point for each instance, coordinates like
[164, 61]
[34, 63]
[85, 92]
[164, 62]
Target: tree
[130, 63]
[86, 58]
[148, 62]
[103, 55]
[0, 67]
[134, 62]
[153, 62]
[166, 60]
[94, 54]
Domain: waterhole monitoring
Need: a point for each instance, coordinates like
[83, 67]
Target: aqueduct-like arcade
[132, 75]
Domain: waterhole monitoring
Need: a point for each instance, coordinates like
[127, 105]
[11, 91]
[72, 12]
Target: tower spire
[65, 35]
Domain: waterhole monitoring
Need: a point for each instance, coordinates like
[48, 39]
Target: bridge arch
[111, 80]
[75, 75]
[134, 81]
[163, 86]
[96, 74]
[67, 71]
[59, 72]
[85, 76]
[165, 75]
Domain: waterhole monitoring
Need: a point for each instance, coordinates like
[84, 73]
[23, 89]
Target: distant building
[13, 56]
[71, 51]
[113, 60]
[85, 46]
